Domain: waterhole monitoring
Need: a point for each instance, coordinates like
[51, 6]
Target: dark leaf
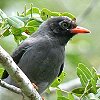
[6, 32]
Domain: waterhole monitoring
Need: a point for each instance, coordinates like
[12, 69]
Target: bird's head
[63, 28]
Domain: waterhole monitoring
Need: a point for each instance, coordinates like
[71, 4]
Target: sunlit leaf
[94, 74]
[15, 31]
[18, 39]
[0, 24]
[82, 76]
[3, 15]
[45, 13]
[55, 14]
[15, 22]
[70, 96]
[1, 72]
[94, 89]
[69, 15]
[48, 90]
[85, 70]
[33, 23]
[58, 80]
[62, 98]
[24, 19]
[33, 10]
[28, 29]
[6, 32]
[59, 93]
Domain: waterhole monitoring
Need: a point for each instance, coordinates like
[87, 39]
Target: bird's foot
[43, 98]
[35, 86]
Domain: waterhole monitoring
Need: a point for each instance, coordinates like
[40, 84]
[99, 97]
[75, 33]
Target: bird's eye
[64, 25]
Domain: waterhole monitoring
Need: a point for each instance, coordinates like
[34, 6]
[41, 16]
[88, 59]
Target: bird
[41, 56]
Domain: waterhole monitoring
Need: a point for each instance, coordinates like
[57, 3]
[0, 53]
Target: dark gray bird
[41, 56]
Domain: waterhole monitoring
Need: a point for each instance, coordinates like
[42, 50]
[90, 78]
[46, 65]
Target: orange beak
[79, 29]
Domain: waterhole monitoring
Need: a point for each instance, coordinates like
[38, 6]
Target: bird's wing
[17, 54]
[27, 45]
[61, 69]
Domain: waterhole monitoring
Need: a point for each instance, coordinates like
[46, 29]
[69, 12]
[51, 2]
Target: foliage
[90, 85]
[1, 71]
[26, 23]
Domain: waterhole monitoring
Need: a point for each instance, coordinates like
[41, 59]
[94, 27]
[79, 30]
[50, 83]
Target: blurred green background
[84, 48]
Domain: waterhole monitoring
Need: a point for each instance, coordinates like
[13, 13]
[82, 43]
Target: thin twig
[10, 87]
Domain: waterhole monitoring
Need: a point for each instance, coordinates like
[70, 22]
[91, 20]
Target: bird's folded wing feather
[17, 54]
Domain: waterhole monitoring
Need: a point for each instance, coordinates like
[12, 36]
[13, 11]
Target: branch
[18, 76]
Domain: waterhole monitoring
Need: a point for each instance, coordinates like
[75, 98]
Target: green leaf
[33, 10]
[94, 89]
[58, 80]
[62, 76]
[78, 91]
[0, 24]
[28, 29]
[82, 77]
[59, 93]
[85, 70]
[63, 98]
[17, 39]
[70, 96]
[15, 22]
[33, 23]
[6, 32]
[48, 90]
[3, 15]
[86, 76]
[94, 74]
[23, 37]
[24, 19]
[1, 72]
[68, 15]
[20, 38]
[16, 31]
[45, 14]
[82, 81]
[55, 14]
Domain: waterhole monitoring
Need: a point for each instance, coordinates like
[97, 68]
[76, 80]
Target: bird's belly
[47, 72]
[45, 75]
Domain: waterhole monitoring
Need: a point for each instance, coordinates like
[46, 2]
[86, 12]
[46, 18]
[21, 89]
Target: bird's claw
[35, 86]
[43, 98]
